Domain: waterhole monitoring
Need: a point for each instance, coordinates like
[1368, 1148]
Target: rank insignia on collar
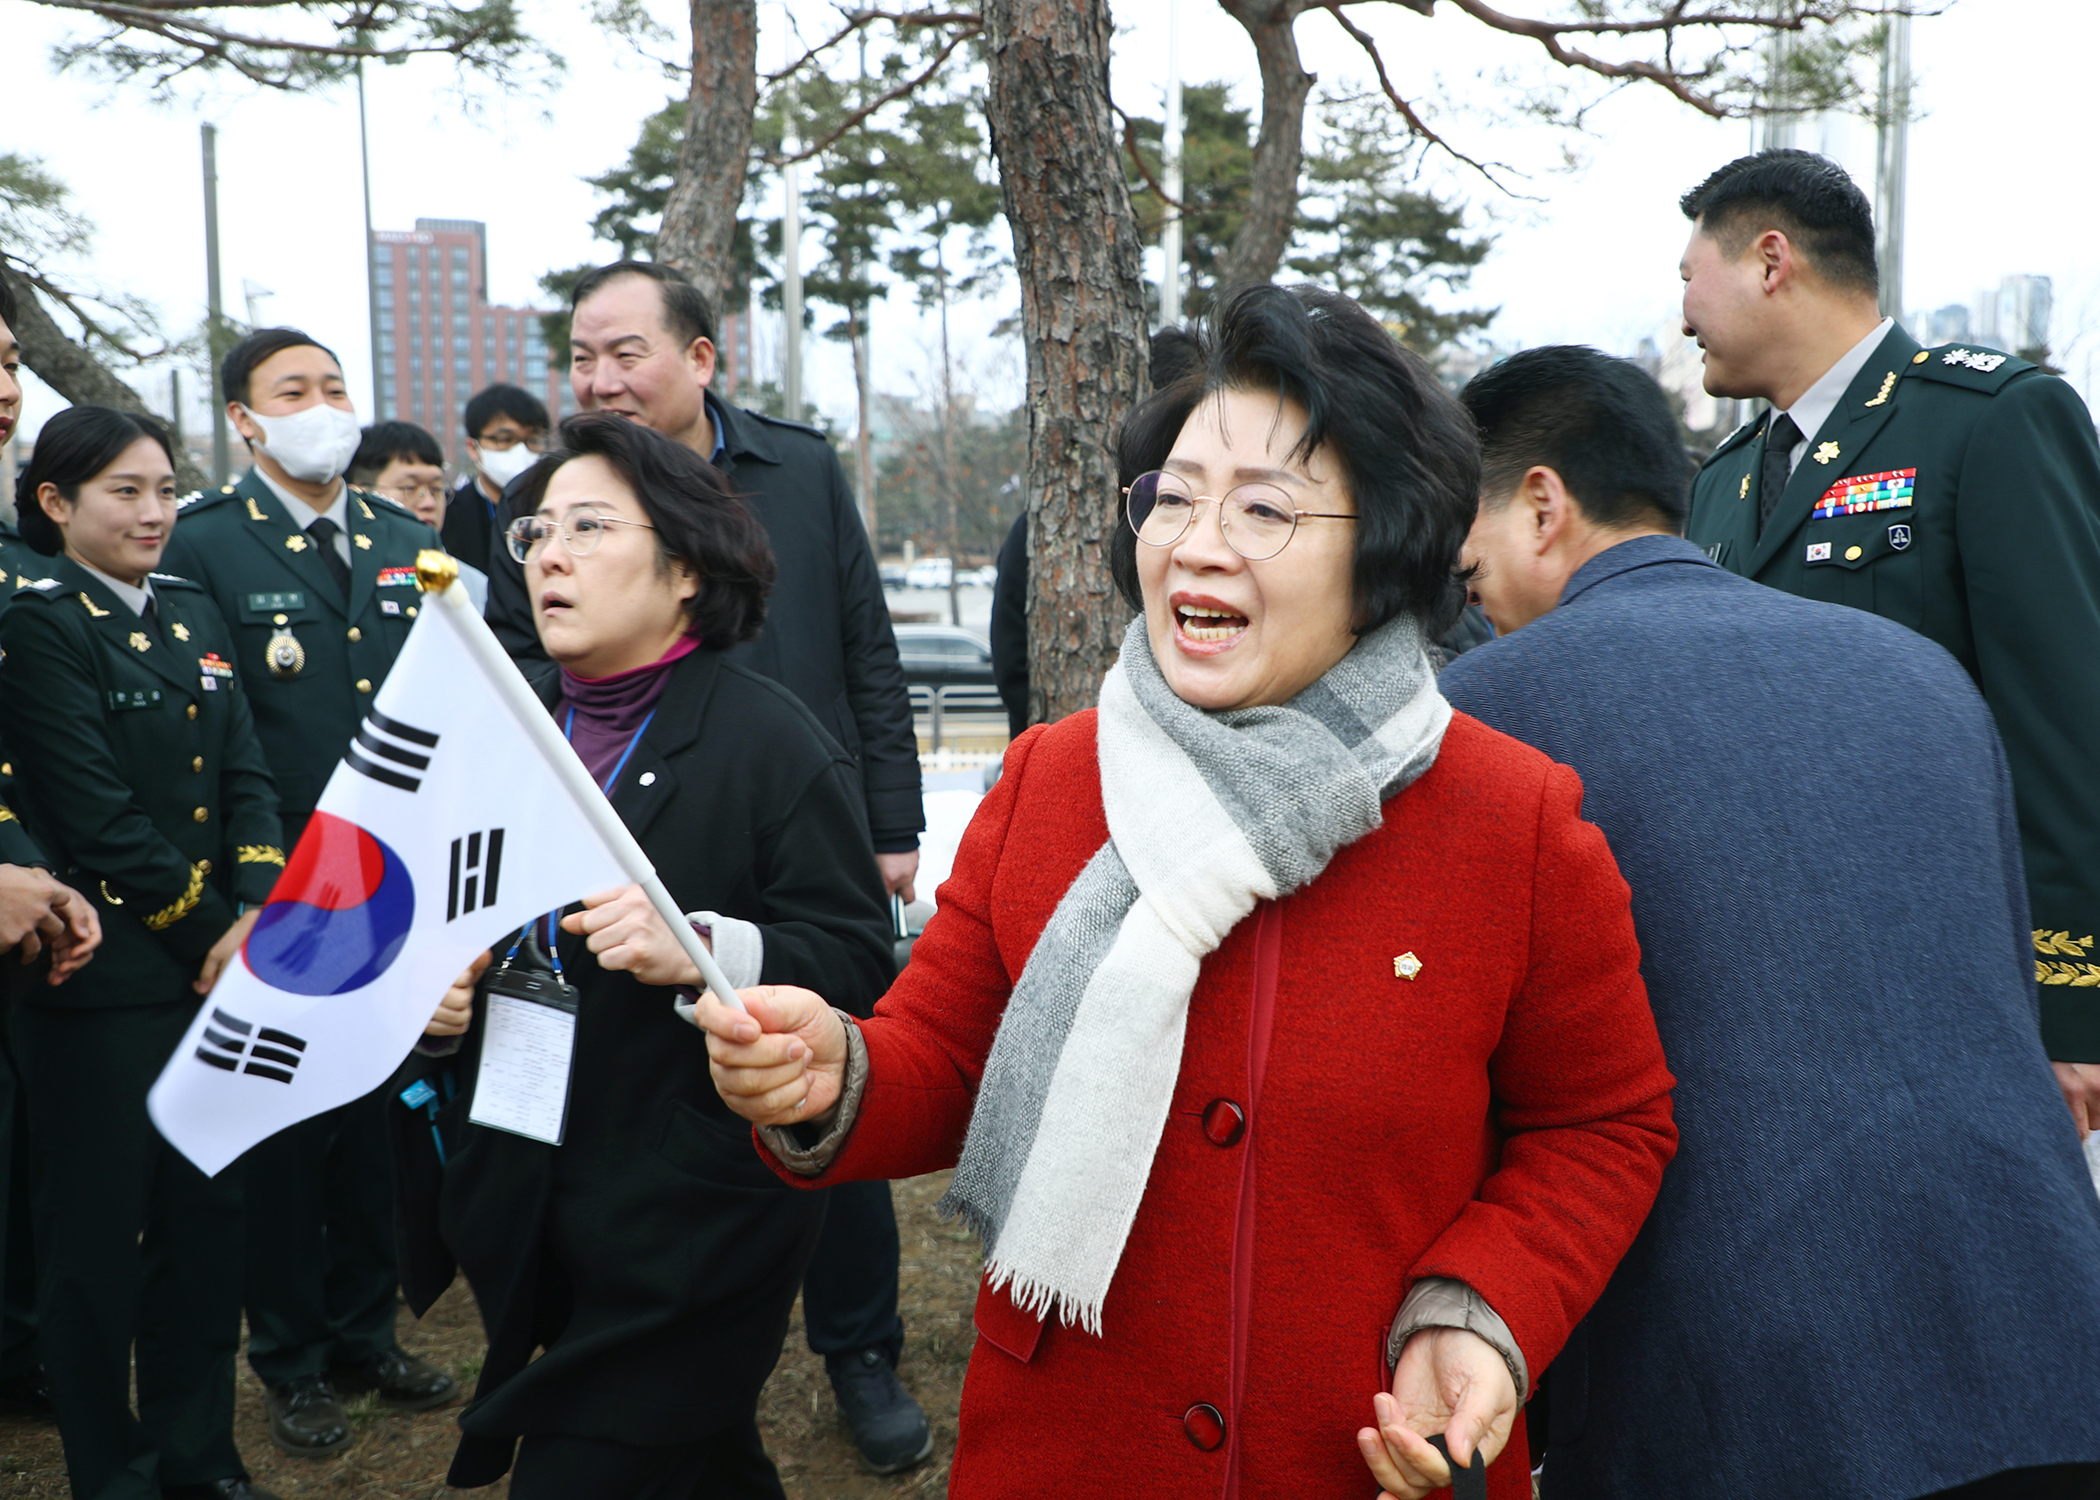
[295, 542]
[1406, 966]
[1888, 383]
[1826, 452]
[1899, 537]
[139, 641]
[254, 510]
[92, 609]
[1743, 490]
[180, 631]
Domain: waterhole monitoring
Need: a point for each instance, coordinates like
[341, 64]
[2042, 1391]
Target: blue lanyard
[568, 733]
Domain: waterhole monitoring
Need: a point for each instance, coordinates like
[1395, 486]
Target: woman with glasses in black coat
[650, 1259]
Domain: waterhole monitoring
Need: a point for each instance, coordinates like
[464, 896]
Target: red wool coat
[1503, 1118]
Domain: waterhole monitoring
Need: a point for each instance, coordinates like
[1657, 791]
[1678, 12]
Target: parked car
[893, 575]
[953, 661]
[929, 573]
[982, 578]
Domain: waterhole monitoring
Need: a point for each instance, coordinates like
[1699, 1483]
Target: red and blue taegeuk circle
[339, 915]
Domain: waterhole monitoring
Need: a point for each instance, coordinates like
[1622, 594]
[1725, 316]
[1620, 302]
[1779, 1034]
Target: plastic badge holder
[528, 1041]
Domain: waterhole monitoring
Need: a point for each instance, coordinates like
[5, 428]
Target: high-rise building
[440, 340]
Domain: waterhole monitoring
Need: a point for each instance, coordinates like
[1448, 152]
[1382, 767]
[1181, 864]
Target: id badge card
[528, 1040]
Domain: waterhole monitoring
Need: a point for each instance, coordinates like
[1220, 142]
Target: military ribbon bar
[1861, 493]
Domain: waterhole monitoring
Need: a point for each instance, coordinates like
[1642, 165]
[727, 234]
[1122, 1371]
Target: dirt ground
[404, 1457]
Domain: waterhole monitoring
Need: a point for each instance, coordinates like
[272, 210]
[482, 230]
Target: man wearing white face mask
[317, 579]
[506, 434]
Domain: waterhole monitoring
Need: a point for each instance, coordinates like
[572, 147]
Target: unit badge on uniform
[1819, 552]
[284, 656]
[1899, 537]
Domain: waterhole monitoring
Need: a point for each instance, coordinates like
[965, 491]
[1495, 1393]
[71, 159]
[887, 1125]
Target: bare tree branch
[853, 118]
[1407, 111]
[860, 20]
[1137, 159]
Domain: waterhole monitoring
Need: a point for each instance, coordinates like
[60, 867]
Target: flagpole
[438, 576]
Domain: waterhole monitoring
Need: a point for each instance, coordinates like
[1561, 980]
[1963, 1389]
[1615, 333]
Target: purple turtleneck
[610, 710]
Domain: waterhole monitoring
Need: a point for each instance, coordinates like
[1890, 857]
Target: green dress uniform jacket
[138, 773]
[309, 659]
[1956, 490]
[16, 846]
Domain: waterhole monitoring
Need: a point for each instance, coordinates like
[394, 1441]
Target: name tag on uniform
[1819, 552]
[274, 603]
[123, 698]
[527, 1040]
[394, 578]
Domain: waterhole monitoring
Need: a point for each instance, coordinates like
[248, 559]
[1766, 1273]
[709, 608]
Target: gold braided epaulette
[259, 854]
[7, 814]
[2081, 975]
[168, 916]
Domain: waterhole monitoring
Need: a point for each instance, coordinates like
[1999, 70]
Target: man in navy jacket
[1874, 1267]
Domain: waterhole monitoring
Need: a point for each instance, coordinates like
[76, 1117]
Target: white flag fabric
[445, 826]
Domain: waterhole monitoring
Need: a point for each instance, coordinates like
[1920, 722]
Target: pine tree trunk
[1272, 198]
[78, 376]
[1076, 256]
[699, 220]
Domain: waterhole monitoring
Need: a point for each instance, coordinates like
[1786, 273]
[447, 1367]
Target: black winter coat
[652, 1255]
[827, 637]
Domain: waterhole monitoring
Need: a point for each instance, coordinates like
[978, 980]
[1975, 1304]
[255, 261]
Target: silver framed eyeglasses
[580, 532]
[1258, 520]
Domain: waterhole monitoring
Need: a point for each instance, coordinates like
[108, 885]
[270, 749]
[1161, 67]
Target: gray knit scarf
[1208, 813]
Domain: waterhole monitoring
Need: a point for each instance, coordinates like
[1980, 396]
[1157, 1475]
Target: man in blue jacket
[1874, 1267]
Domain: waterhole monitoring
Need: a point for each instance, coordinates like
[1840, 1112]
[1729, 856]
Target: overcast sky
[2001, 168]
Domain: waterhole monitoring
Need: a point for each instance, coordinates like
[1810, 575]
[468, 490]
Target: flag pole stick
[438, 577]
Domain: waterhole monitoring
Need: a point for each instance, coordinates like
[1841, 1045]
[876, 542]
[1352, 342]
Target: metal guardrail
[953, 698]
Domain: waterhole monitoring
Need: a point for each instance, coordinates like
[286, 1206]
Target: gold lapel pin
[295, 542]
[181, 631]
[1743, 493]
[139, 641]
[364, 543]
[1826, 453]
[1406, 966]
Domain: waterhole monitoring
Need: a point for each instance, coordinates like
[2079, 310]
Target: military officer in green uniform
[317, 580]
[141, 779]
[1955, 490]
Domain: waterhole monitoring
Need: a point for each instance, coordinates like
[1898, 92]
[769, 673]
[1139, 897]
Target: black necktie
[151, 615]
[1779, 449]
[324, 532]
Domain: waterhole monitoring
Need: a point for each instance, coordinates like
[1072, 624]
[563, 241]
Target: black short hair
[699, 519]
[384, 442]
[1403, 442]
[1806, 197]
[73, 447]
[515, 402]
[1602, 424]
[686, 309]
[241, 360]
[8, 311]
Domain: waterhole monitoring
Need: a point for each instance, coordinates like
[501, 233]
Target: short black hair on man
[1404, 444]
[241, 360]
[686, 309]
[699, 519]
[384, 442]
[1806, 197]
[8, 311]
[515, 402]
[1602, 424]
[74, 446]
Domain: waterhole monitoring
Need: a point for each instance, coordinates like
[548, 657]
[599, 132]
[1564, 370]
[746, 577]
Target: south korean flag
[446, 825]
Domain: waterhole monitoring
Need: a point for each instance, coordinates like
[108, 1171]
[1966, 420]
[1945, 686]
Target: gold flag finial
[435, 572]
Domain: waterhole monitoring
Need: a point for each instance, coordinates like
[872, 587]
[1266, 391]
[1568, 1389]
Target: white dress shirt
[304, 515]
[1821, 399]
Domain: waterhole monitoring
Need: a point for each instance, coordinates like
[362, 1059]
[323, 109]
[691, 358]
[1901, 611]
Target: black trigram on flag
[242, 1047]
[401, 746]
[477, 863]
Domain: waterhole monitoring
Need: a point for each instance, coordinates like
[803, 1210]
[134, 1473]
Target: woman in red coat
[1284, 1028]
